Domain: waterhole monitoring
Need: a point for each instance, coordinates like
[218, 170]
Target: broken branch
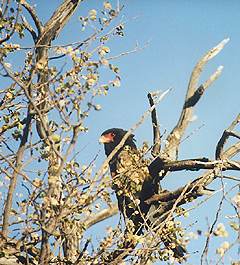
[192, 97]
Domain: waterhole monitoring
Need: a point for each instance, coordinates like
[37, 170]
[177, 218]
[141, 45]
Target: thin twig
[205, 250]
[9, 35]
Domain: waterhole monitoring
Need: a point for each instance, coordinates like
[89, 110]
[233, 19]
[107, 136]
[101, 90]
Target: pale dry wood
[174, 138]
[29, 28]
[100, 216]
[46, 34]
[34, 16]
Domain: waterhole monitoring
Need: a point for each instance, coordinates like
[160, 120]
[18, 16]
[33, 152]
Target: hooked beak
[103, 139]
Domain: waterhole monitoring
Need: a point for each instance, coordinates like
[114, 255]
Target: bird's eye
[112, 134]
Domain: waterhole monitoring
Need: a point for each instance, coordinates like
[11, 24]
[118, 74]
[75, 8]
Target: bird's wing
[131, 173]
[131, 170]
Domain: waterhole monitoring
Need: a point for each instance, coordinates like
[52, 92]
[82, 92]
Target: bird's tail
[179, 251]
[168, 233]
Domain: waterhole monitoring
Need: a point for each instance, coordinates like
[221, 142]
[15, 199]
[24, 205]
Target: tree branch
[34, 16]
[98, 217]
[29, 28]
[156, 128]
[192, 97]
[58, 20]
[226, 134]
[192, 164]
[50, 31]
[9, 35]
[198, 186]
[13, 181]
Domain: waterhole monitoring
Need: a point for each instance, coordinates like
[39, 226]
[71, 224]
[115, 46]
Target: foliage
[45, 101]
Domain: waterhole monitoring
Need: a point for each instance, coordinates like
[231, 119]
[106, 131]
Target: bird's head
[112, 137]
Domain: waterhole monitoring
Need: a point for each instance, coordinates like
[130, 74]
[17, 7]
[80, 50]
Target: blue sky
[177, 34]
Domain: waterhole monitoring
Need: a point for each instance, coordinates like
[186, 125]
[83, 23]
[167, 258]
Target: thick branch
[192, 164]
[50, 31]
[156, 129]
[58, 20]
[191, 191]
[192, 97]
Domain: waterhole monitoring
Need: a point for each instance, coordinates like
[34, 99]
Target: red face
[107, 138]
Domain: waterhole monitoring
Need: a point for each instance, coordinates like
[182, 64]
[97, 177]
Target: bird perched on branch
[134, 183]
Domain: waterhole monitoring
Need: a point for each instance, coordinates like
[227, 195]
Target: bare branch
[213, 77]
[200, 65]
[29, 28]
[156, 129]
[34, 16]
[192, 191]
[226, 134]
[205, 251]
[98, 217]
[192, 101]
[194, 164]
[174, 138]
[58, 20]
[231, 151]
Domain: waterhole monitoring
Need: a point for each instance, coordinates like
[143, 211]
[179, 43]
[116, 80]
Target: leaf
[234, 226]
[107, 5]
[92, 14]
[116, 82]
[56, 138]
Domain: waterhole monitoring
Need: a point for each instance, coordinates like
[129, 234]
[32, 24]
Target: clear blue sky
[178, 33]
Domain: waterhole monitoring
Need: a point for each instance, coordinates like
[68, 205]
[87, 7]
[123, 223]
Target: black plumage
[133, 183]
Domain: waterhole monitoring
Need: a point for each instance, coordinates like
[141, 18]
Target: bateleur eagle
[133, 185]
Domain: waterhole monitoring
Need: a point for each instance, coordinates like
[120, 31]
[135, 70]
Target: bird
[134, 183]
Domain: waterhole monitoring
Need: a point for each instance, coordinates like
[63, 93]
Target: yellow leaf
[107, 5]
[92, 14]
[56, 138]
